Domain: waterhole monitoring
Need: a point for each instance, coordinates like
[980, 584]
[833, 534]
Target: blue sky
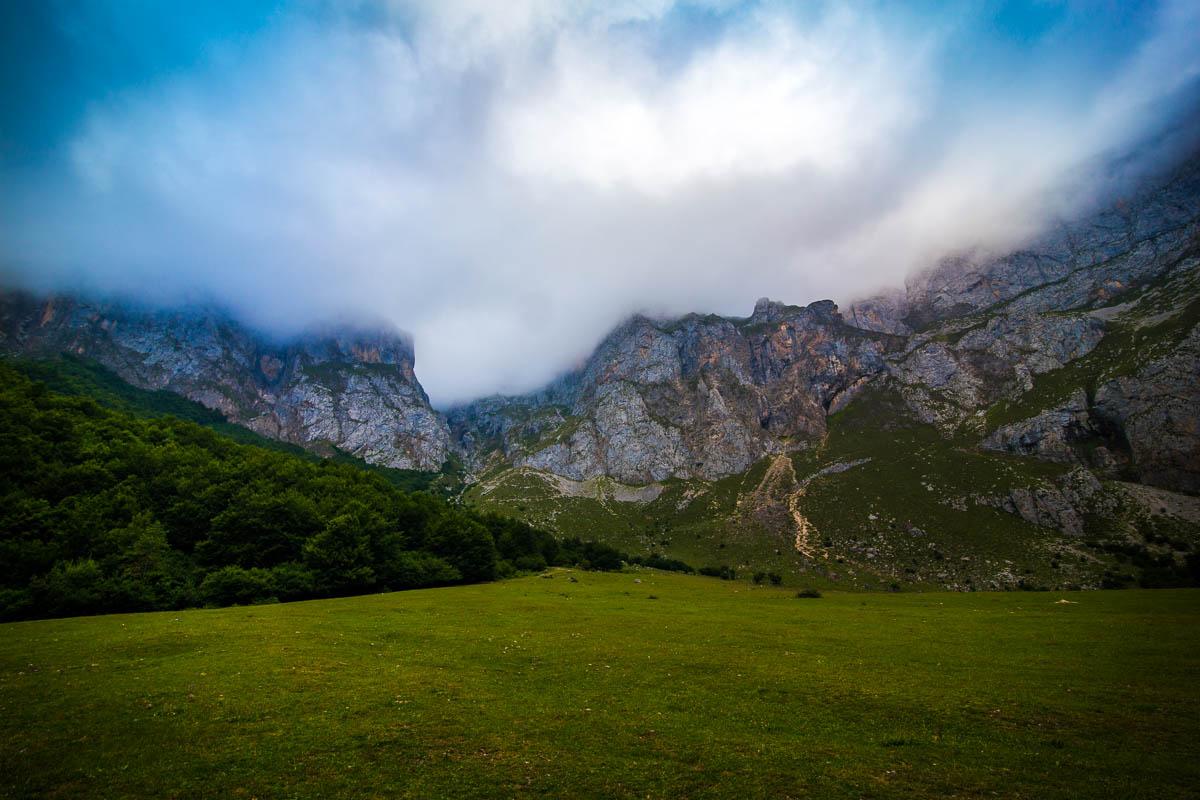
[508, 180]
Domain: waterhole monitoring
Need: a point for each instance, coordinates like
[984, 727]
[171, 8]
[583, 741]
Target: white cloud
[507, 181]
[764, 102]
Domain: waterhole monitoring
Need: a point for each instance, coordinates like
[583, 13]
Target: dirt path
[780, 484]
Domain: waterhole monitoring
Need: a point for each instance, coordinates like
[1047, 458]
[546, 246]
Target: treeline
[73, 375]
[104, 511]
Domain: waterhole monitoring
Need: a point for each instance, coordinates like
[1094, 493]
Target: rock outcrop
[1158, 412]
[353, 390]
[1060, 505]
[701, 396]
[947, 378]
[1077, 264]
[1051, 434]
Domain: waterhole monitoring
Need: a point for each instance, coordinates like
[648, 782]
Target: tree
[261, 528]
[466, 545]
[236, 586]
[340, 555]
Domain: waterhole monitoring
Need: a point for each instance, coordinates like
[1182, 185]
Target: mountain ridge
[352, 389]
[1059, 380]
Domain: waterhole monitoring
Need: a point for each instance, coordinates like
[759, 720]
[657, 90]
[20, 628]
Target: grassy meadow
[635, 684]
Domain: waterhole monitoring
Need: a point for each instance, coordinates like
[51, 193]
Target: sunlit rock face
[353, 390]
[700, 396]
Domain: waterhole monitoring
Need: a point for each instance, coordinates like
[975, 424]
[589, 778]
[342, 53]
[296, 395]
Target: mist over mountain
[508, 183]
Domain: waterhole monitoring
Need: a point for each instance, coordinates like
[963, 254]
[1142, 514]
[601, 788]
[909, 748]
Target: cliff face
[1079, 347]
[1081, 263]
[354, 390]
[696, 397]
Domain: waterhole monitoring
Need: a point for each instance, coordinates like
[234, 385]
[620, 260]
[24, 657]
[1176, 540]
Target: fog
[507, 181]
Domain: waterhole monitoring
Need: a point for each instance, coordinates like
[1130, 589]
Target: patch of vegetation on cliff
[914, 511]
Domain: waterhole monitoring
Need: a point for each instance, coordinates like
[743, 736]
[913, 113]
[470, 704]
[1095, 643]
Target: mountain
[706, 396]
[1031, 418]
[697, 397]
[354, 390]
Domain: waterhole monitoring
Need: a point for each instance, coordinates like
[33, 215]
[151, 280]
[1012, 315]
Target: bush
[293, 581]
[722, 572]
[530, 563]
[656, 561]
[417, 569]
[591, 556]
[775, 577]
[72, 587]
[466, 545]
[15, 603]
[340, 555]
[759, 577]
[237, 586]
[808, 593]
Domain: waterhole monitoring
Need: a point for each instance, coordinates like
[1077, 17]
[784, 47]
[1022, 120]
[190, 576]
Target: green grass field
[676, 686]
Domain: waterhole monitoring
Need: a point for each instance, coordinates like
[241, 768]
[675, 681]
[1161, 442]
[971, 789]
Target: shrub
[656, 561]
[466, 545]
[759, 577]
[808, 593]
[722, 572]
[237, 586]
[531, 563]
[293, 581]
[775, 578]
[15, 603]
[340, 555]
[416, 569]
[591, 555]
[73, 587]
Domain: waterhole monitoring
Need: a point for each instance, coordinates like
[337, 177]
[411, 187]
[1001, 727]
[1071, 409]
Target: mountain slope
[353, 390]
[981, 428]
[706, 397]
[698, 397]
[1031, 418]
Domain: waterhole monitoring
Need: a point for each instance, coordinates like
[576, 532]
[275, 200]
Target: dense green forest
[72, 375]
[106, 505]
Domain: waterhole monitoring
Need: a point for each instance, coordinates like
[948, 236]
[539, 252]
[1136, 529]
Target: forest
[108, 507]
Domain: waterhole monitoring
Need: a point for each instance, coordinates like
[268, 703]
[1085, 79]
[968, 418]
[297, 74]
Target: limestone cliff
[353, 390]
[701, 396]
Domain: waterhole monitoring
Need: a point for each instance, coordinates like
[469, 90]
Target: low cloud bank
[508, 181]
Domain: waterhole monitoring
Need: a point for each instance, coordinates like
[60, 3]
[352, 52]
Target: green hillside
[108, 509]
[888, 502]
[612, 685]
[81, 377]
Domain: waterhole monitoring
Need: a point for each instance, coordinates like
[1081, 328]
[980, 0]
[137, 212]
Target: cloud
[507, 181]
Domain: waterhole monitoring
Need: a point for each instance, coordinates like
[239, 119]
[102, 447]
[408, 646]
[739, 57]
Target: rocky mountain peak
[767, 310]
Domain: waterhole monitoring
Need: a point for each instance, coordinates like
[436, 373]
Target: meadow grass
[612, 685]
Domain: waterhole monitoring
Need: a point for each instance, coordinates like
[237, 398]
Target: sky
[508, 181]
